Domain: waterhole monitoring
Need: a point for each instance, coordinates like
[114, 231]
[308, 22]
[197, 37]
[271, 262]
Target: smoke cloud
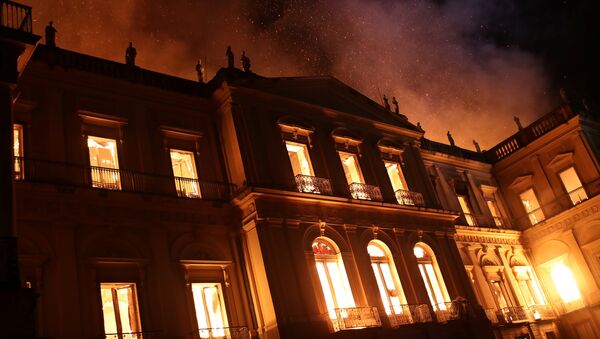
[430, 55]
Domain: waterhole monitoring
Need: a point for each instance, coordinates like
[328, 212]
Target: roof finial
[477, 147]
[386, 103]
[396, 107]
[245, 62]
[50, 35]
[130, 54]
[199, 71]
[450, 139]
[518, 122]
[229, 55]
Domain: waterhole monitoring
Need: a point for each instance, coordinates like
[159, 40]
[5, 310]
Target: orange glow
[565, 283]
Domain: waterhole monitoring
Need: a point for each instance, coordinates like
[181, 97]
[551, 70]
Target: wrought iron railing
[450, 311]
[15, 16]
[354, 317]
[134, 335]
[405, 197]
[222, 332]
[409, 314]
[310, 184]
[515, 314]
[365, 192]
[120, 179]
[542, 312]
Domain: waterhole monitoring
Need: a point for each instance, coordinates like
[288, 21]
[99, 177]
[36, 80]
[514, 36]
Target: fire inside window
[184, 171]
[565, 283]
[387, 279]
[18, 151]
[494, 211]
[104, 163]
[299, 158]
[120, 309]
[432, 277]
[210, 310]
[573, 185]
[464, 205]
[532, 207]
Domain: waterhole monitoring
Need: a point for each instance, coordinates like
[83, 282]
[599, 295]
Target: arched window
[388, 282]
[332, 276]
[430, 272]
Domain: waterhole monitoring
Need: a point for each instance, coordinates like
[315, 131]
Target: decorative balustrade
[365, 192]
[310, 184]
[222, 332]
[15, 16]
[354, 318]
[515, 314]
[119, 179]
[134, 335]
[405, 197]
[409, 314]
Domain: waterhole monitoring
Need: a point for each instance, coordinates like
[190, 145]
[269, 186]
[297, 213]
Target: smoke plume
[430, 55]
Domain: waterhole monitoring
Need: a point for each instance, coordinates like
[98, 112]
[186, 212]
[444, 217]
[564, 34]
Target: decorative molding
[521, 183]
[561, 160]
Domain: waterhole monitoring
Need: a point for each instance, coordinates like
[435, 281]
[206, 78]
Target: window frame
[306, 148]
[116, 171]
[582, 187]
[184, 181]
[528, 214]
[118, 320]
[430, 258]
[388, 259]
[223, 306]
[19, 159]
[469, 217]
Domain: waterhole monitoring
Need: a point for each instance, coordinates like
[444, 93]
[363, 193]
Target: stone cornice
[481, 235]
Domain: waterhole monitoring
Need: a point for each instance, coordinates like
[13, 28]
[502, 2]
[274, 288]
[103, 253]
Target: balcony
[222, 332]
[514, 314]
[119, 179]
[405, 197]
[450, 311]
[354, 318]
[409, 314]
[542, 312]
[310, 184]
[15, 16]
[134, 335]
[365, 192]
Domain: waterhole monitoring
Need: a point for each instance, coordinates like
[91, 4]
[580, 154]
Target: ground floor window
[210, 310]
[120, 310]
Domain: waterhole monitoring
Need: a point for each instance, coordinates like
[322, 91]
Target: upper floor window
[184, 171]
[332, 275]
[210, 310]
[532, 207]
[18, 151]
[432, 277]
[500, 294]
[104, 162]
[494, 211]
[120, 310]
[573, 185]
[528, 285]
[466, 209]
[387, 279]
[299, 158]
[351, 168]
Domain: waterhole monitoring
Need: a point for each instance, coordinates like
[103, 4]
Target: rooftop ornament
[50, 35]
[130, 54]
[396, 107]
[245, 62]
[199, 72]
[477, 147]
[518, 122]
[450, 139]
[386, 103]
[229, 55]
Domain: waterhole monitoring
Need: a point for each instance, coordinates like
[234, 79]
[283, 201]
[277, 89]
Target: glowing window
[387, 279]
[432, 277]
[332, 275]
[299, 158]
[120, 309]
[210, 310]
[394, 171]
[351, 168]
[532, 207]
[573, 185]
[494, 211]
[464, 205]
[104, 163]
[18, 151]
[565, 283]
[184, 171]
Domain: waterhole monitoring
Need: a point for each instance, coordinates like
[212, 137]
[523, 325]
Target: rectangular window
[104, 163]
[351, 168]
[18, 151]
[532, 207]
[184, 171]
[499, 294]
[464, 205]
[120, 310]
[299, 158]
[494, 211]
[210, 310]
[573, 185]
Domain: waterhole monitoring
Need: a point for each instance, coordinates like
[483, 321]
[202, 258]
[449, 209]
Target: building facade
[149, 206]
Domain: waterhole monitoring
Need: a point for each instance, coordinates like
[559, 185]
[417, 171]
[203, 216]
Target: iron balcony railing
[353, 318]
[405, 197]
[450, 311]
[15, 16]
[514, 314]
[409, 314]
[520, 314]
[134, 335]
[222, 332]
[310, 184]
[542, 312]
[365, 192]
[119, 179]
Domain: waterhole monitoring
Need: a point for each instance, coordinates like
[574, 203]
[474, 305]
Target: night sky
[465, 65]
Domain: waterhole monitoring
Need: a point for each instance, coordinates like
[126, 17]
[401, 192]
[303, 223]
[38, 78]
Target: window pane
[210, 311]
[573, 185]
[323, 277]
[427, 284]
[532, 206]
[392, 291]
[464, 205]
[351, 167]
[18, 150]
[375, 251]
[494, 211]
[119, 308]
[396, 177]
[435, 286]
[299, 158]
[382, 288]
[498, 294]
[341, 287]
